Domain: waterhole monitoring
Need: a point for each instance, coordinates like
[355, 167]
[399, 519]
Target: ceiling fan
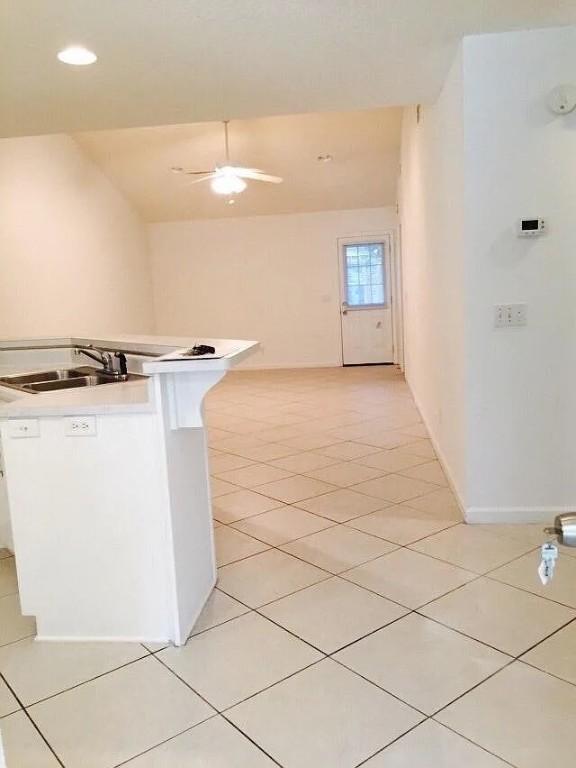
[228, 179]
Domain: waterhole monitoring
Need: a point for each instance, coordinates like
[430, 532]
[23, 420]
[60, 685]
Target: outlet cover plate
[24, 428]
[80, 426]
[510, 315]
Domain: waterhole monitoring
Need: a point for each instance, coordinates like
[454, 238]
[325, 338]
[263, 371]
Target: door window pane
[364, 257]
[377, 294]
[352, 255]
[354, 295]
[364, 275]
[376, 254]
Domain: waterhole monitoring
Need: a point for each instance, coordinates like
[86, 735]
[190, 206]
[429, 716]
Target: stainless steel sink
[57, 375]
[51, 386]
[64, 378]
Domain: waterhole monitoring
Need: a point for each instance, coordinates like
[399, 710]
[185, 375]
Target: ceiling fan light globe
[77, 55]
[227, 184]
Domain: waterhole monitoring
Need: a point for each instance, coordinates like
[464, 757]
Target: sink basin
[51, 386]
[57, 375]
[64, 378]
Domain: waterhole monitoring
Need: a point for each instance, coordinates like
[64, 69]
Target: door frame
[390, 236]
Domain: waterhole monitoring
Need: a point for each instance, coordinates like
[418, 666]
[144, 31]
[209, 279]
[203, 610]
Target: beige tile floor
[357, 620]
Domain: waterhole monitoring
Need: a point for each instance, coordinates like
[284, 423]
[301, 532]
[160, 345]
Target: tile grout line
[31, 720]
[250, 739]
[246, 698]
[489, 575]
[532, 647]
[18, 640]
[426, 720]
[520, 660]
[165, 741]
[398, 738]
[89, 680]
[467, 738]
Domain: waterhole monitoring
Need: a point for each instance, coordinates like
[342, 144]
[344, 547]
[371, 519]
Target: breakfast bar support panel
[113, 531]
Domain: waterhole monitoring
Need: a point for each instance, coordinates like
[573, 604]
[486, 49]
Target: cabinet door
[5, 530]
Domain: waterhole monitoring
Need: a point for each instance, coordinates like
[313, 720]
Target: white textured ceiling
[362, 174]
[174, 61]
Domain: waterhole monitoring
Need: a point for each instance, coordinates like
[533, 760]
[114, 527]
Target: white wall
[432, 222]
[522, 162]
[73, 254]
[271, 278]
[515, 387]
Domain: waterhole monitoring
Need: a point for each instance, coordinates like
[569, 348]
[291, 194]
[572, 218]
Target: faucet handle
[121, 357]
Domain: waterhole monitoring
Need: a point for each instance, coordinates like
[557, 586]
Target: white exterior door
[366, 311]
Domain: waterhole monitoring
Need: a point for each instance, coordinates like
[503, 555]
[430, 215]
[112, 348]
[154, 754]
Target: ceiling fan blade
[247, 173]
[186, 172]
[239, 170]
[206, 177]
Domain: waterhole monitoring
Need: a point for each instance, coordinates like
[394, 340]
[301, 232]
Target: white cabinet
[5, 531]
[113, 524]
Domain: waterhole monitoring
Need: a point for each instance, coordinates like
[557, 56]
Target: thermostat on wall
[531, 227]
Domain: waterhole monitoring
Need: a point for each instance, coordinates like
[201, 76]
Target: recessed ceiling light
[324, 158]
[77, 55]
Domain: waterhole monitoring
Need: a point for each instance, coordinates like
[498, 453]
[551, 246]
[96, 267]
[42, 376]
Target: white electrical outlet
[80, 426]
[24, 428]
[510, 315]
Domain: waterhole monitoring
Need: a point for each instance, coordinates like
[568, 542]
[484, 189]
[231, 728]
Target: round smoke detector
[562, 100]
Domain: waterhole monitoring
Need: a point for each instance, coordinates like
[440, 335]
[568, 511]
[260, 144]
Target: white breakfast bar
[108, 488]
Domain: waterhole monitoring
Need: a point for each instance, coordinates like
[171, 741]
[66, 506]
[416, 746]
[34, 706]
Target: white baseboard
[285, 366]
[512, 515]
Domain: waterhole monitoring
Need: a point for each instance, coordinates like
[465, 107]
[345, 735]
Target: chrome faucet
[106, 360]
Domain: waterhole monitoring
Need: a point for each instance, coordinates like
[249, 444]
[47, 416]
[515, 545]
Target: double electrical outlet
[510, 315]
[80, 426]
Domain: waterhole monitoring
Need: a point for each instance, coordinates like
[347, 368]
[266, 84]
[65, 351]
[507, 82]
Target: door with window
[366, 301]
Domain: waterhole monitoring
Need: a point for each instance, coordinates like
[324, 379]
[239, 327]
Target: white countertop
[163, 355]
[171, 347]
